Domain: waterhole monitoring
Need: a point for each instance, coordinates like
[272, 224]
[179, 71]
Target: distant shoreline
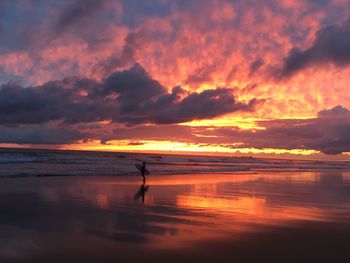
[185, 153]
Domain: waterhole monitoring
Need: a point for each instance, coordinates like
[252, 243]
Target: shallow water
[34, 162]
[184, 218]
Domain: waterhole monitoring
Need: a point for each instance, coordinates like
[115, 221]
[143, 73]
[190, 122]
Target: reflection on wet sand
[41, 217]
[141, 193]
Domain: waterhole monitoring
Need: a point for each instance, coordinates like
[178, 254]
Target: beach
[213, 217]
[174, 131]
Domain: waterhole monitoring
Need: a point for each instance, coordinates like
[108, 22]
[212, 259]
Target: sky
[240, 77]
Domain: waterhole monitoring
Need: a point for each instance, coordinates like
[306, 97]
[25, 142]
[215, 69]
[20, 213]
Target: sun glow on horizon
[169, 146]
[228, 121]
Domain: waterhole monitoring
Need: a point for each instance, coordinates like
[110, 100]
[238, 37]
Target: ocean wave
[26, 163]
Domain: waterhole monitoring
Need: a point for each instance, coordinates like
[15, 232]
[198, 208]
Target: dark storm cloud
[338, 111]
[34, 25]
[16, 24]
[147, 132]
[77, 11]
[133, 41]
[330, 136]
[53, 101]
[332, 45]
[130, 96]
[135, 10]
[328, 133]
[205, 105]
[38, 134]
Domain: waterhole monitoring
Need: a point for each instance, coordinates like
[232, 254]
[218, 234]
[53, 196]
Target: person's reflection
[143, 188]
[141, 192]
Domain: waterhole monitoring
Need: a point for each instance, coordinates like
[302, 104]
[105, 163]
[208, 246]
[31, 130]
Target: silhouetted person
[143, 188]
[143, 172]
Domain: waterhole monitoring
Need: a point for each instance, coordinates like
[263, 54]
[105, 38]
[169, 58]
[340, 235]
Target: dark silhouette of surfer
[143, 188]
[143, 170]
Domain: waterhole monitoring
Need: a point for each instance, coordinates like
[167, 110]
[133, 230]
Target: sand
[240, 217]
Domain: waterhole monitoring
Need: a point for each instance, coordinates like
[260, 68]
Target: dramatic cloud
[332, 45]
[337, 111]
[133, 41]
[130, 96]
[238, 44]
[328, 133]
[39, 135]
[76, 12]
[199, 53]
[146, 132]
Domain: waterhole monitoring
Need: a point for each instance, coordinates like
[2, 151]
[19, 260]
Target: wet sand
[243, 217]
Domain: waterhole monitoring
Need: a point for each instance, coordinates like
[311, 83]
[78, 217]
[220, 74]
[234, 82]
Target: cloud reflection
[177, 211]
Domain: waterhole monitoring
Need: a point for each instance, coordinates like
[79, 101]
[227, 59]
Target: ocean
[75, 206]
[34, 162]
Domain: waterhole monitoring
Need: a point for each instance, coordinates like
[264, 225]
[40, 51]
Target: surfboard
[139, 167]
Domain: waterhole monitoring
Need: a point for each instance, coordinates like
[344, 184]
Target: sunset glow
[212, 76]
[174, 131]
